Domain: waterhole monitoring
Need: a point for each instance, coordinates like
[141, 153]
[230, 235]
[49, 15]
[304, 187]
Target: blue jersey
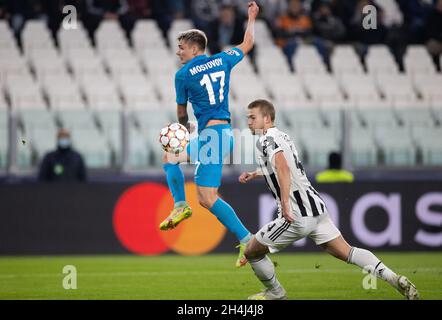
[204, 82]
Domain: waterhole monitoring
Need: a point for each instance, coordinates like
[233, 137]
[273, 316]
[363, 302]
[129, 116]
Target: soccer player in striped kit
[301, 211]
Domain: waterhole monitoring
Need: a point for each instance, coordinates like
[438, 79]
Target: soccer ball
[174, 138]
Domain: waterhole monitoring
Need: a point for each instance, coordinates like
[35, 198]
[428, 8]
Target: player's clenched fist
[253, 9]
[246, 177]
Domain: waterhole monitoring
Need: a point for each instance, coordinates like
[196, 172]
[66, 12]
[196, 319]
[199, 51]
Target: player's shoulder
[181, 73]
[273, 133]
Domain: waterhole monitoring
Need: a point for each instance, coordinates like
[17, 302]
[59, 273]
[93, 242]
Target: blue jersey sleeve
[180, 89]
[232, 56]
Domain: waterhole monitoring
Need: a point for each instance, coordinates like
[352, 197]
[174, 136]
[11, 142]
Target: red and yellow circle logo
[140, 210]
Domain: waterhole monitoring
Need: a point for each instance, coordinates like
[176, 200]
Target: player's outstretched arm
[284, 177]
[249, 35]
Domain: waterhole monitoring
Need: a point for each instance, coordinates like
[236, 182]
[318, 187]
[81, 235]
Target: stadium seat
[93, 146]
[379, 60]
[344, 60]
[26, 97]
[42, 140]
[245, 67]
[429, 142]
[317, 143]
[76, 120]
[149, 60]
[416, 117]
[307, 60]
[417, 60]
[396, 144]
[140, 97]
[139, 155]
[286, 90]
[108, 35]
[36, 35]
[146, 34]
[123, 66]
[6, 36]
[263, 35]
[73, 38]
[373, 103]
[362, 147]
[12, 66]
[271, 60]
[373, 118]
[395, 87]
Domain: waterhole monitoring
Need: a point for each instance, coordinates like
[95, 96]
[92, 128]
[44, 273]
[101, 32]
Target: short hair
[194, 36]
[265, 107]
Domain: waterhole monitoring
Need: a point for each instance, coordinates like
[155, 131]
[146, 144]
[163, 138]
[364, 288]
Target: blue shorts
[208, 151]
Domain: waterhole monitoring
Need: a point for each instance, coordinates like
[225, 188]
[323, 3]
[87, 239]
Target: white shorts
[279, 233]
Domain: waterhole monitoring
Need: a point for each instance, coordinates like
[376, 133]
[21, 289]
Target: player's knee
[206, 201]
[251, 254]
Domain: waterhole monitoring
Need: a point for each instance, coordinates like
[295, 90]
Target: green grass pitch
[304, 276]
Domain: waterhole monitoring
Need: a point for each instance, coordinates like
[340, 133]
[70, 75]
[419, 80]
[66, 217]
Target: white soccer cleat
[407, 288]
[266, 294]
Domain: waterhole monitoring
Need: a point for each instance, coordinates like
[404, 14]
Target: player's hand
[287, 214]
[190, 127]
[253, 10]
[246, 177]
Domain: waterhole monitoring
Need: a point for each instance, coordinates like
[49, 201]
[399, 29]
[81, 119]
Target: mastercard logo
[140, 210]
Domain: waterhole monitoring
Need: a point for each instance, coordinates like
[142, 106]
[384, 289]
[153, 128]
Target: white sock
[368, 261]
[265, 272]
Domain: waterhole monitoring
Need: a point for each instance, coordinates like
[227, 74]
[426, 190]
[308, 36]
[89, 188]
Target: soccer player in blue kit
[204, 81]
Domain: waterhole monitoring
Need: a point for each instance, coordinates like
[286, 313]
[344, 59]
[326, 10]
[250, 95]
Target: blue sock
[175, 181]
[227, 216]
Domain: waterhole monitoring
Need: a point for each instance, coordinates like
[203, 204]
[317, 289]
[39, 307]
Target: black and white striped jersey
[304, 199]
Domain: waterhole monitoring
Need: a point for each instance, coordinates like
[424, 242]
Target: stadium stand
[111, 90]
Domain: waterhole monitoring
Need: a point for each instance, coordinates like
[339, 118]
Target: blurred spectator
[270, 10]
[415, 15]
[334, 173]
[434, 32]
[4, 10]
[98, 10]
[227, 30]
[140, 9]
[329, 28]
[63, 164]
[165, 11]
[326, 25]
[291, 28]
[203, 13]
[22, 10]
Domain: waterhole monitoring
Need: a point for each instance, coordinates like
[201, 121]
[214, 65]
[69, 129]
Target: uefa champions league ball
[174, 138]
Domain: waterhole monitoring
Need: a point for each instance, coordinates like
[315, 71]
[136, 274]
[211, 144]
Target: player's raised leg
[264, 270]
[365, 259]
[175, 182]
